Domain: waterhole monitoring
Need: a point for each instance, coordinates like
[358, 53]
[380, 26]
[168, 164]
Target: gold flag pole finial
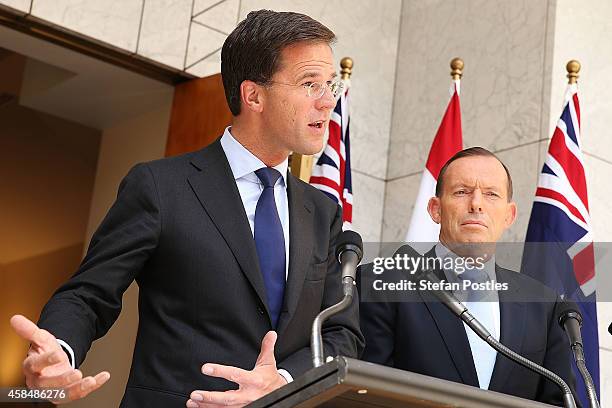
[346, 65]
[456, 65]
[573, 68]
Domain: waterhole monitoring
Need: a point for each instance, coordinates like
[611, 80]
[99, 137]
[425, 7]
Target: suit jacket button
[260, 310]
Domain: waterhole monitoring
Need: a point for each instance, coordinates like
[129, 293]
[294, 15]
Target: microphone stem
[481, 331]
[459, 309]
[316, 340]
[586, 376]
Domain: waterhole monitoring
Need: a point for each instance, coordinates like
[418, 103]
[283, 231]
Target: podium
[346, 382]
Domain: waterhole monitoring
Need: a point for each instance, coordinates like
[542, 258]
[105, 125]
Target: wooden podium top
[346, 382]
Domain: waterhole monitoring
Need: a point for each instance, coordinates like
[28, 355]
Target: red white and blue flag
[560, 221]
[446, 143]
[332, 172]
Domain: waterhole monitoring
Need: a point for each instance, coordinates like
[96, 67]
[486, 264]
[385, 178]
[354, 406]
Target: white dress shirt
[243, 164]
[487, 312]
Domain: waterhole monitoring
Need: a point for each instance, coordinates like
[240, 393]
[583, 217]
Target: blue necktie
[270, 243]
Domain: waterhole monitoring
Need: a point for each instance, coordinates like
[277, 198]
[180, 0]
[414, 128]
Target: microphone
[459, 309]
[349, 251]
[570, 320]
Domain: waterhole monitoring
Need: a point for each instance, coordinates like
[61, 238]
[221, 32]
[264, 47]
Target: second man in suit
[473, 205]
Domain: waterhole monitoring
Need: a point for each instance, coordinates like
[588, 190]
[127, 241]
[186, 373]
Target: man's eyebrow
[463, 185]
[457, 185]
[313, 74]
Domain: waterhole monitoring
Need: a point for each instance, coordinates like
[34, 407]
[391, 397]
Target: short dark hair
[252, 51]
[471, 152]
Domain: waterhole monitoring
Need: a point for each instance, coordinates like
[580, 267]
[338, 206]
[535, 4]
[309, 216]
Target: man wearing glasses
[233, 255]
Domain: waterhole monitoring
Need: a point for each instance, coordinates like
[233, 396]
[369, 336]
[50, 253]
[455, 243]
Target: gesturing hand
[47, 365]
[261, 380]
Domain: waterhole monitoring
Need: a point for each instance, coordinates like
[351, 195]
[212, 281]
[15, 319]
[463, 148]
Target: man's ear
[251, 96]
[433, 208]
[510, 214]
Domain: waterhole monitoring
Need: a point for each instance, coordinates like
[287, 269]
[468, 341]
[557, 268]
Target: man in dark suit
[473, 205]
[227, 247]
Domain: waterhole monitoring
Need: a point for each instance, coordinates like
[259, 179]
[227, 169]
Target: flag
[447, 142]
[560, 219]
[332, 172]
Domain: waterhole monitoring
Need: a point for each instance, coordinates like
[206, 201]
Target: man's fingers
[253, 380]
[74, 385]
[87, 385]
[266, 355]
[235, 374]
[35, 363]
[205, 399]
[24, 327]
[29, 331]
[59, 381]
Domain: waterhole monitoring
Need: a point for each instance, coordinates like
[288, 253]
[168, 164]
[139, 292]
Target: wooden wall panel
[199, 115]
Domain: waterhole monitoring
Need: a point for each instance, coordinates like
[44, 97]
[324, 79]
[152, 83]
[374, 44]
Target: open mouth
[318, 124]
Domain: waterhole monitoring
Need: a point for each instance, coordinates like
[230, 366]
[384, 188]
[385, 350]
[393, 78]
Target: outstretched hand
[252, 385]
[47, 365]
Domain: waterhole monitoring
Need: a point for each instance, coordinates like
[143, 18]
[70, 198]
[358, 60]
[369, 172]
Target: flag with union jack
[332, 172]
[560, 221]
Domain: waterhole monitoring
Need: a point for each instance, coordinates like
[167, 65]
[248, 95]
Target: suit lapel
[301, 236]
[452, 333]
[512, 321]
[216, 189]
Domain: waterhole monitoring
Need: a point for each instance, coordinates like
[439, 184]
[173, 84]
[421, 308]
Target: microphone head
[349, 240]
[569, 310]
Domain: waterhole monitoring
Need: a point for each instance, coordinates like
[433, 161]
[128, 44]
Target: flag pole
[422, 231]
[573, 68]
[456, 73]
[346, 68]
[592, 390]
[456, 65]
[567, 262]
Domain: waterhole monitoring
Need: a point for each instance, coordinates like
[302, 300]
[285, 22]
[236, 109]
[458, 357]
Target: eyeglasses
[317, 89]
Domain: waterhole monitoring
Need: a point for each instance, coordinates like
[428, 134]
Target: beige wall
[42, 164]
[45, 191]
[138, 139]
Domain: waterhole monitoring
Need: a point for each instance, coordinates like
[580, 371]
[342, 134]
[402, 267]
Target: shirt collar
[242, 161]
[443, 252]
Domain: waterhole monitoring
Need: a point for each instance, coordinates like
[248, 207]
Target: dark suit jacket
[179, 228]
[421, 335]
